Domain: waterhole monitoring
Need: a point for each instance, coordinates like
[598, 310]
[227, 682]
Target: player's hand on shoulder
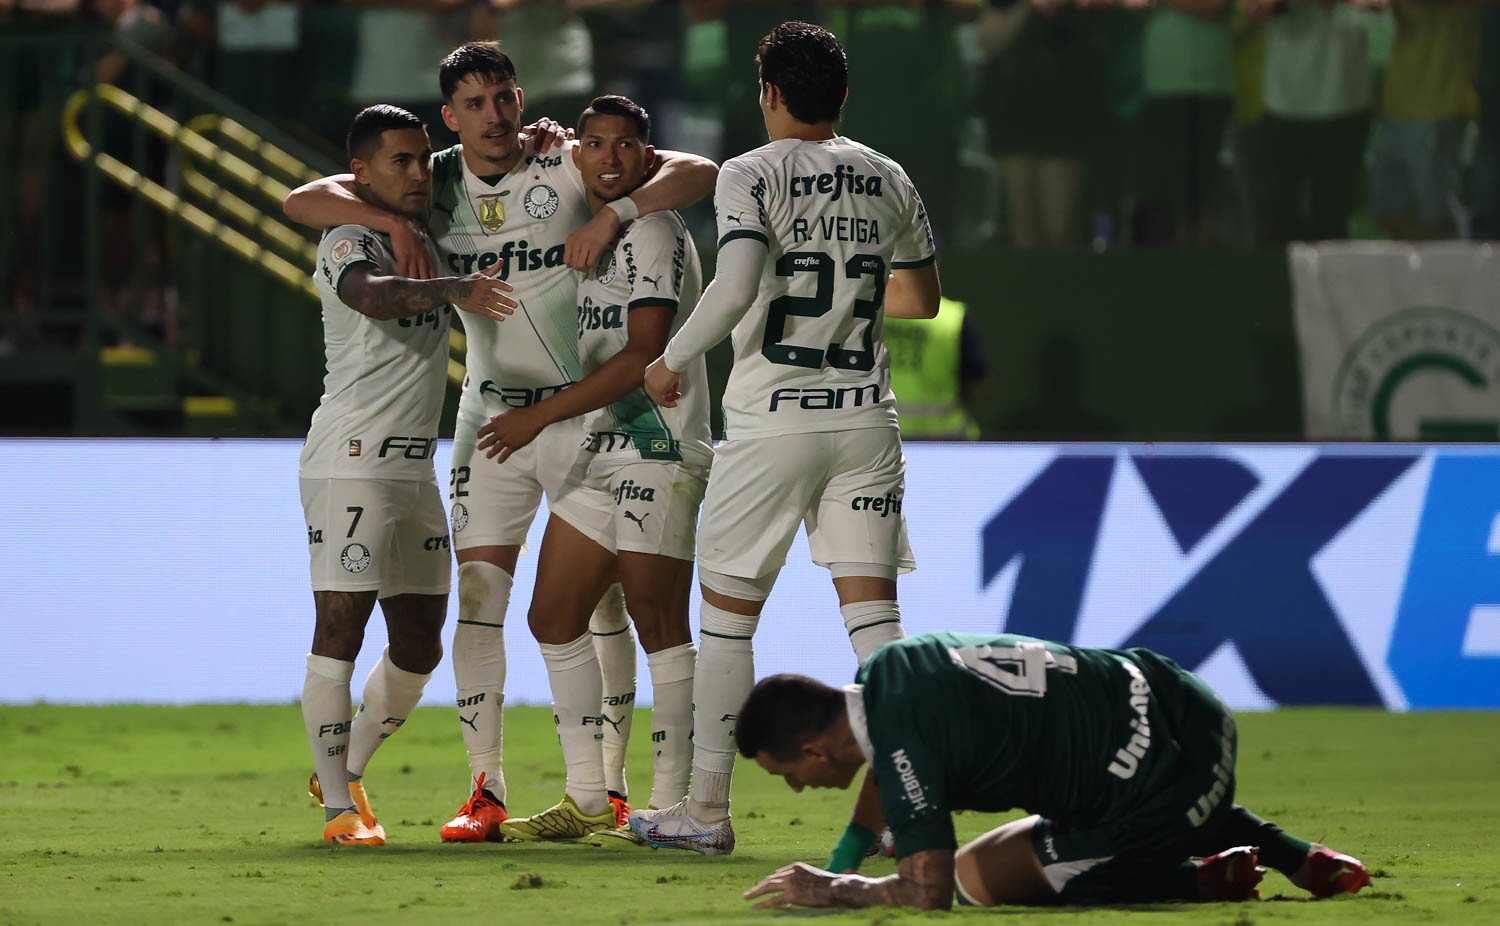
[549, 134]
[663, 385]
[482, 294]
[796, 885]
[584, 246]
[409, 243]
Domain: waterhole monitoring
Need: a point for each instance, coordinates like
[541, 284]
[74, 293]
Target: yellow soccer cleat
[347, 829]
[361, 803]
[561, 821]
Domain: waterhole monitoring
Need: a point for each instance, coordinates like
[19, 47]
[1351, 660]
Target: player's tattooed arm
[924, 880]
[388, 297]
[331, 201]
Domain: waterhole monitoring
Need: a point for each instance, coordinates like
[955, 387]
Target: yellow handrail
[192, 140]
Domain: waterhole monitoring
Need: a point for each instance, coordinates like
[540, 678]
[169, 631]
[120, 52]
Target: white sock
[479, 669]
[672, 721]
[573, 670]
[871, 625]
[724, 677]
[325, 712]
[615, 646]
[390, 695]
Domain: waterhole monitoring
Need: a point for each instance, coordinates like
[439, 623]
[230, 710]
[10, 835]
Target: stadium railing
[243, 352]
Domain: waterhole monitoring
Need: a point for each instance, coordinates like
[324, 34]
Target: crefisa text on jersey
[833, 185]
[513, 256]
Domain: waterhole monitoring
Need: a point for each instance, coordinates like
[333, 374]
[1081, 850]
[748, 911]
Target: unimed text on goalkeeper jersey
[837, 218]
[995, 722]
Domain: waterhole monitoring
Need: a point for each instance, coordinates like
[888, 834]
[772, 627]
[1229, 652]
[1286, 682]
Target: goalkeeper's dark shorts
[1136, 853]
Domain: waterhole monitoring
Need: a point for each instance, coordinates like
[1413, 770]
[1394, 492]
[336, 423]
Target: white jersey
[523, 220]
[383, 393]
[837, 217]
[653, 263]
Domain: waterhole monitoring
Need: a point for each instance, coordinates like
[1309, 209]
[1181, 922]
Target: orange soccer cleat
[478, 820]
[361, 803]
[347, 829]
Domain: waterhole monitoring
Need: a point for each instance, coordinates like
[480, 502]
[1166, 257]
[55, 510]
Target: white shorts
[383, 535]
[846, 486]
[493, 504]
[642, 506]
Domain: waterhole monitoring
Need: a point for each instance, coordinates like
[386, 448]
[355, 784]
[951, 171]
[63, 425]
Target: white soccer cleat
[674, 828]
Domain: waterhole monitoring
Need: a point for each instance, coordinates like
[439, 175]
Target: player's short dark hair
[615, 105]
[372, 122]
[808, 65]
[474, 59]
[783, 712]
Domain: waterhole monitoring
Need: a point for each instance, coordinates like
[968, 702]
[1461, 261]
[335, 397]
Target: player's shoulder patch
[346, 245]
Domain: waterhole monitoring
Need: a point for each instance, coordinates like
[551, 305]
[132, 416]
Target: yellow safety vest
[925, 365]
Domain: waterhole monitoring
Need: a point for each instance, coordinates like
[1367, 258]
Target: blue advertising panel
[176, 571]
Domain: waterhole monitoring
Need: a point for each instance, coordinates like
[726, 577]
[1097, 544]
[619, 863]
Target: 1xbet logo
[1263, 562]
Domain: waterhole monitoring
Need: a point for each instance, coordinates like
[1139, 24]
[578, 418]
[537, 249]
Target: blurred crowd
[1038, 124]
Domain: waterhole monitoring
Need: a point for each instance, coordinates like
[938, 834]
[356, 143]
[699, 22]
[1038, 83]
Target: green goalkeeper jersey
[993, 722]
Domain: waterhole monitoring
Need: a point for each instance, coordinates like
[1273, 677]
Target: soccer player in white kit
[375, 520]
[501, 201]
[818, 237]
[635, 508]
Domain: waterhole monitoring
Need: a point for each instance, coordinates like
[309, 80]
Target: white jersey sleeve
[740, 203]
[386, 379]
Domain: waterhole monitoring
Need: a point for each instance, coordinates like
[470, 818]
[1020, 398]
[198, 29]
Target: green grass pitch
[198, 814]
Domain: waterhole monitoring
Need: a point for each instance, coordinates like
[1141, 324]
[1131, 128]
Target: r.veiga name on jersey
[514, 257]
[838, 228]
[821, 399]
[833, 185]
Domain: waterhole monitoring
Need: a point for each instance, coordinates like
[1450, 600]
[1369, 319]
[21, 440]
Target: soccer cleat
[621, 807]
[347, 829]
[1231, 875]
[1329, 873]
[884, 844]
[562, 820]
[674, 828]
[361, 803]
[478, 820]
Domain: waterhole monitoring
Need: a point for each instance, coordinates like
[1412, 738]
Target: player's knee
[610, 615]
[483, 592]
[419, 654]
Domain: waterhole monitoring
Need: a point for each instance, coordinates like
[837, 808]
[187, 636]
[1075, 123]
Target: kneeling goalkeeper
[1124, 759]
